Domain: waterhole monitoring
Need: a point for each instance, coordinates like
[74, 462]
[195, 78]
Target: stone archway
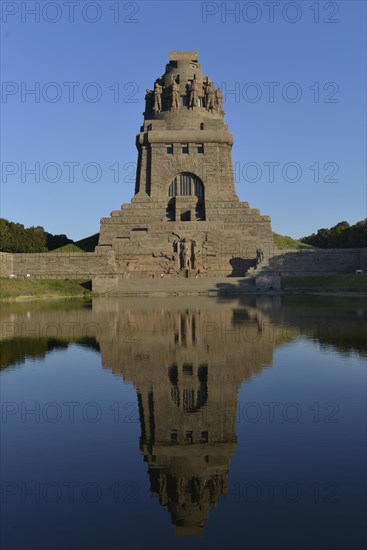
[186, 198]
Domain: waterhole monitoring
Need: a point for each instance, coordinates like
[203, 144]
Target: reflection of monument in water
[188, 362]
[187, 382]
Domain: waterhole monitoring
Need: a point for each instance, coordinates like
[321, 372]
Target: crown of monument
[183, 87]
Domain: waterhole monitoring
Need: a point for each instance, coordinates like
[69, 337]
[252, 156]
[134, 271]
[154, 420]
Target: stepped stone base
[147, 245]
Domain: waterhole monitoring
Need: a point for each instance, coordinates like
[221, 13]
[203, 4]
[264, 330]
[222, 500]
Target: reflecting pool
[184, 423]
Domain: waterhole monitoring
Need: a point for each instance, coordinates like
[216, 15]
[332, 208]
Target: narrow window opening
[189, 437]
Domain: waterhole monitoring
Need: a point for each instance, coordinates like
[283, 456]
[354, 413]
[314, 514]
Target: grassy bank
[29, 290]
[71, 247]
[326, 283]
[287, 243]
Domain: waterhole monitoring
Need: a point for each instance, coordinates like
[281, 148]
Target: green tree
[341, 235]
[14, 237]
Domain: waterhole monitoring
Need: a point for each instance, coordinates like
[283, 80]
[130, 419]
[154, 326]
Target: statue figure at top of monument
[158, 89]
[175, 94]
[219, 101]
[194, 94]
[209, 96]
[148, 101]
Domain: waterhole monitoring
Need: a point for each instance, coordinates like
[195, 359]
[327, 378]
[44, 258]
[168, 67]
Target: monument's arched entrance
[186, 198]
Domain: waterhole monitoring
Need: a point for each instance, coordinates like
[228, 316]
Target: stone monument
[185, 218]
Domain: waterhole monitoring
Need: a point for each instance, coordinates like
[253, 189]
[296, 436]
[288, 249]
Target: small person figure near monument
[209, 96]
[158, 89]
[175, 94]
[194, 94]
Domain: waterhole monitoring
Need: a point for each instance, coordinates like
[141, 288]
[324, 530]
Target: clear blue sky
[324, 129]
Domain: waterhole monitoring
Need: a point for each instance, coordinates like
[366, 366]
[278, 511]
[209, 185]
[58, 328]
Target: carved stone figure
[209, 96]
[175, 95]
[219, 101]
[259, 255]
[194, 94]
[186, 253]
[158, 89]
[148, 101]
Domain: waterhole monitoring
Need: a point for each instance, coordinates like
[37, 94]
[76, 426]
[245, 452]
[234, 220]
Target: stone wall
[6, 264]
[104, 264]
[317, 261]
[61, 266]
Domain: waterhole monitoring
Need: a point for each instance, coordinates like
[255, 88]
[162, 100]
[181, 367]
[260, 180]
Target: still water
[184, 423]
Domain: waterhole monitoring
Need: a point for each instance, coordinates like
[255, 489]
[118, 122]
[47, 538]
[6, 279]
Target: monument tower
[185, 218]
